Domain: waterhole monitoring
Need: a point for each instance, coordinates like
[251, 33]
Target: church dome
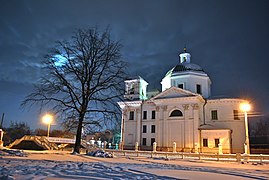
[187, 67]
[188, 76]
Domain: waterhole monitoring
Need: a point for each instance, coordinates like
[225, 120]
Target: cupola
[187, 75]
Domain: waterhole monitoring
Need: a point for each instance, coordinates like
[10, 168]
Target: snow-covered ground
[63, 165]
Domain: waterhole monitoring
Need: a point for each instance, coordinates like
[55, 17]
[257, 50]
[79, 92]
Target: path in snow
[66, 166]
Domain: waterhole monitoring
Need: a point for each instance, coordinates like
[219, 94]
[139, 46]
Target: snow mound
[100, 153]
[11, 152]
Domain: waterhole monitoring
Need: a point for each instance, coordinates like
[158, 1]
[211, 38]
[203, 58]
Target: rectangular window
[205, 143]
[144, 141]
[131, 115]
[153, 113]
[180, 86]
[152, 128]
[236, 115]
[144, 129]
[198, 89]
[152, 140]
[216, 142]
[144, 114]
[214, 115]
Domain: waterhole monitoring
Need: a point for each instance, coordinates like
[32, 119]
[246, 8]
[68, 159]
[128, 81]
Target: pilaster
[138, 125]
[195, 108]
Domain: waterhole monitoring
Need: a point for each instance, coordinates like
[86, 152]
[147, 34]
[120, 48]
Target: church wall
[130, 133]
[182, 130]
[190, 82]
[166, 83]
[211, 135]
[225, 112]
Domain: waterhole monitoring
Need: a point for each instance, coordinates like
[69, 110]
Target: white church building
[183, 113]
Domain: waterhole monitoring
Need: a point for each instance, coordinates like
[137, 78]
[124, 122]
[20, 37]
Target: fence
[195, 156]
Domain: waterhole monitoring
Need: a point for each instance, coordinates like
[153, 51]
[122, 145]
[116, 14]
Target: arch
[176, 113]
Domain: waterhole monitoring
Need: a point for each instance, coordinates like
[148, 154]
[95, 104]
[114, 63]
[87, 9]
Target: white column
[174, 147]
[186, 132]
[122, 128]
[220, 148]
[195, 147]
[165, 126]
[195, 123]
[154, 147]
[136, 146]
[138, 125]
[158, 126]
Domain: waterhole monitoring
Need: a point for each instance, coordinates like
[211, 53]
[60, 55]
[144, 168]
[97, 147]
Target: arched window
[176, 113]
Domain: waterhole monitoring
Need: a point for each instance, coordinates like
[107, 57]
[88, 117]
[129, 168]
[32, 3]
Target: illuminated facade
[184, 113]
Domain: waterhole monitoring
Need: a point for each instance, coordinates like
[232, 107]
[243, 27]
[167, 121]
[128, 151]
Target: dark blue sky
[229, 39]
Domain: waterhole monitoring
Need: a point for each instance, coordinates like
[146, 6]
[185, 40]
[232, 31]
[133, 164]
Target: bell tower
[136, 89]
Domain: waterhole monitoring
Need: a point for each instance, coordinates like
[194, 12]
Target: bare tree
[83, 80]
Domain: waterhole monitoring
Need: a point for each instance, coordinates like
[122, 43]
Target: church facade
[183, 113]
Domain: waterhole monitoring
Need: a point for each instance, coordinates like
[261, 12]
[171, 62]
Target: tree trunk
[78, 136]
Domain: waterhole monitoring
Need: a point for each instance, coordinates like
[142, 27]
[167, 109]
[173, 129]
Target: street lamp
[47, 119]
[245, 107]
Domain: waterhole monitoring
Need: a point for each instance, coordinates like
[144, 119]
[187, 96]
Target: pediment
[174, 92]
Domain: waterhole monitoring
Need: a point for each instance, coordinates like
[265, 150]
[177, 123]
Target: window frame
[144, 141]
[214, 114]
[153, 128]
[152, 140]
[205, 142]
[199, 90]
[236, 114]
[153, 114]
[131, 115]
[176, 115]
[217, 141]
[144, 129]
[145, 114]
[179, 85]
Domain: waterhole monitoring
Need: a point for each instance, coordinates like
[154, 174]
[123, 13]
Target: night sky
[228, 39]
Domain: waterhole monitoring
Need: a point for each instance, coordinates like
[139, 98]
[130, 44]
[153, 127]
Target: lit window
[176, 113]
[131, 115]
[214, 115]
[236, 115]
[205, 143]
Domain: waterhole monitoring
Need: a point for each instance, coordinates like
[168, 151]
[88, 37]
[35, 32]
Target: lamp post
[47, 119]
[245, 107]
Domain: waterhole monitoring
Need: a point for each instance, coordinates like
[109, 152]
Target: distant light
[47, 119]
[245, 107]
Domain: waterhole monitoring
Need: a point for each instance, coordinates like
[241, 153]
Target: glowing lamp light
[47, 119]
[245, 107]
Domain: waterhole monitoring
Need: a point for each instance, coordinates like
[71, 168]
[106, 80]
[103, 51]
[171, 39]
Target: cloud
[227, 38]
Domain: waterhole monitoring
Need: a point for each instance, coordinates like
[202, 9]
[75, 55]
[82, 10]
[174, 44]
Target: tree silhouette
[82, 80]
